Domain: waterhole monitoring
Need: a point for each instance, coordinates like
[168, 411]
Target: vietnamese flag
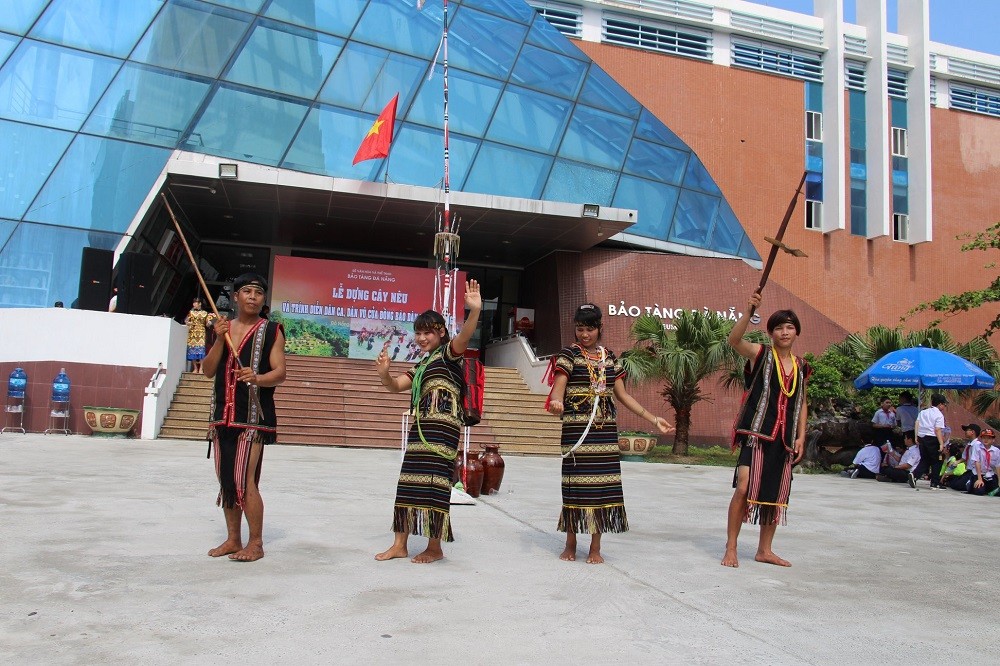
[376, 142]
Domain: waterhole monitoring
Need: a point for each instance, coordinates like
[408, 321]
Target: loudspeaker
[134, 281]
[95, 279]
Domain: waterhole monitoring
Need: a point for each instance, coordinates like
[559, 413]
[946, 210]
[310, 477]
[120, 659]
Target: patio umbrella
[924, 367]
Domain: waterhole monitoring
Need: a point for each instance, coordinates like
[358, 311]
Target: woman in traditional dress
[196, 320]
[585, 376]
[423, 494]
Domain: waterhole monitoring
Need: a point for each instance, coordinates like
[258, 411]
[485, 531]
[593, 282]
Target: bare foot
[225, 548]
[392, 553]
[568, 555]
[771, 558]
[730, 559]
[429, 555]
[252, 553]
[594, 557]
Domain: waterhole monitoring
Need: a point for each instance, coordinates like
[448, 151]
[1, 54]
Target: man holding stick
[243, 415]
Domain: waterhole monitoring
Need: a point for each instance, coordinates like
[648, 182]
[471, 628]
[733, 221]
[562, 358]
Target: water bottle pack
[60, 393]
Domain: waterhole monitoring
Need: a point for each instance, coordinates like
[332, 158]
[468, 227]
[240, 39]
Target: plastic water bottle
[17, 383]
[60, 387]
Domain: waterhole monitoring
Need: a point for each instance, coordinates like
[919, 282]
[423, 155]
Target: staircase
[340, 402]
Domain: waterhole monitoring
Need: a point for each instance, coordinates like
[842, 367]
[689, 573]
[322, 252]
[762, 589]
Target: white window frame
[814, 126]
[814, 214]
[900, 142]
[900, 227]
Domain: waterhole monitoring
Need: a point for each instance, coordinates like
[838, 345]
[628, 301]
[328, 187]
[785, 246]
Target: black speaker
[95, 279]
[134, 281]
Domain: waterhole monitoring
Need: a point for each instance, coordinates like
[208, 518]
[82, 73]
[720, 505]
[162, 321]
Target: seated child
[953, 468]
[867, 461]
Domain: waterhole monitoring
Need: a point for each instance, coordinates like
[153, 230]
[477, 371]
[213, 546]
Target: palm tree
[681, 359]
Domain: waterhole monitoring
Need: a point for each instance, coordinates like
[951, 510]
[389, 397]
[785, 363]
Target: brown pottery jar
[474, 471]
[493, 466]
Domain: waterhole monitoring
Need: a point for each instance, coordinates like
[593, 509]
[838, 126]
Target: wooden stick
[208, 297]
[781, 233]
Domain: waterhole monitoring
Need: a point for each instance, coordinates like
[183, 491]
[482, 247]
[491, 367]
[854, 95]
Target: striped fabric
[423, 494]
[592, 496]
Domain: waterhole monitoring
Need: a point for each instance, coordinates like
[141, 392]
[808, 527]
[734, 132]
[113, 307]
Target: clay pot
[474, 473]
[493, 466]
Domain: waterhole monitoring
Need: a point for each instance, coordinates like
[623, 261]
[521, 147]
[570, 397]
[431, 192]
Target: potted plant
[635, 444]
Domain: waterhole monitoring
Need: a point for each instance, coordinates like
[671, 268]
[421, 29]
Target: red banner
[345, 308]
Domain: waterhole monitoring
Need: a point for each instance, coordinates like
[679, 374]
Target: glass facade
[95, 94]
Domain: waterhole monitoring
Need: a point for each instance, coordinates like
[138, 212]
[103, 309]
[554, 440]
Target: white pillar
[872, 15]
[914, 24]
[834, 115]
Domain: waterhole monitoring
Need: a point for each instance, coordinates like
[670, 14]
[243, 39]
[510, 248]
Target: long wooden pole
[208, 295]
[781, 234]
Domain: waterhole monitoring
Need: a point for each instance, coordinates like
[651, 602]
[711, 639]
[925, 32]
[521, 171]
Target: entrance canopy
[282, 208]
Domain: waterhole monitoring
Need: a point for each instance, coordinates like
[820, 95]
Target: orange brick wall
[748, 129]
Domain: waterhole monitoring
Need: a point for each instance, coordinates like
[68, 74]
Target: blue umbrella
[923, 367]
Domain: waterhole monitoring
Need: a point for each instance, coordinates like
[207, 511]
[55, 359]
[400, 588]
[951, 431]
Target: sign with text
[353, 310]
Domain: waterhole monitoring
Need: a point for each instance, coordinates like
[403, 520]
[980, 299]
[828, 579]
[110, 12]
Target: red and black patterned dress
[423, 494]
[592, 498]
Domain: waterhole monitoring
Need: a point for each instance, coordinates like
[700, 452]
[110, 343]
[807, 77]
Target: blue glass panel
[698, 178]
[40, 264]
[657, 162]
[6, 229]
[285, 59]
[814, 156]
[111, 27]
[52, 85]
[471, 100]
[366, 77]
[814, 186]
[482, 43]
[528, 119]
[327, 142]
[859, 171]
[192, 37]
[597, 137]
[695, 213]
[900, 200]
[726, 232]
[814, 96]
[507, 171]
[417, 157]
[604, 92]
[27, 156]
[159, 116]
[747, 250]
[246, 5]
[654, 201]
[546, 35]
[249, 127]
[651, 128]
[399, 26]
[515, 9]
[337, 17]
[18, 15]
[580, 183]
[549, 72]
[859, 132]
[7, 44]
[900, 178]
[859, 212]
[99, 184]
[898, 115]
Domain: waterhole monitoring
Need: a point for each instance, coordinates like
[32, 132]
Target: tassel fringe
[603, 520]
[765, 514]
[429, 523]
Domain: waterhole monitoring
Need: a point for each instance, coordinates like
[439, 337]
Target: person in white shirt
[866, 463]
[931, 439]
[906, 413]
[904, 470]
[883, 421]
[985, 461]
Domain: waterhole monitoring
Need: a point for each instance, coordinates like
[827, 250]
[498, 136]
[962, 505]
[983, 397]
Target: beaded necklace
[598, 374]
[781, 373]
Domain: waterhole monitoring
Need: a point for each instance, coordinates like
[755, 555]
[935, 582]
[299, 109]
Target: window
[977, 100]
[897, 83]
[900, 227]
[656, 36]
[814, 214]
[899, 142]
[814, 126]
[778, 59]
[567, 19]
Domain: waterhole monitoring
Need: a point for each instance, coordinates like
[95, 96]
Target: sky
[970, 24]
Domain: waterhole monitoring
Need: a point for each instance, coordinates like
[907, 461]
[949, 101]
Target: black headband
[250, 280]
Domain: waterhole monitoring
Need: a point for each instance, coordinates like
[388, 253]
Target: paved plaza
[103, 548]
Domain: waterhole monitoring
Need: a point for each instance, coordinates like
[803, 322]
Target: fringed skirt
[770, 485]
[423, 494]
[196, 352]
[592, 497]
[231, 447]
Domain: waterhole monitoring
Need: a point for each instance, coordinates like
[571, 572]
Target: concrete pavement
[103, 548]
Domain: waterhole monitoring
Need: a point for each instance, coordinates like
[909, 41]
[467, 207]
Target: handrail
[160, 371]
